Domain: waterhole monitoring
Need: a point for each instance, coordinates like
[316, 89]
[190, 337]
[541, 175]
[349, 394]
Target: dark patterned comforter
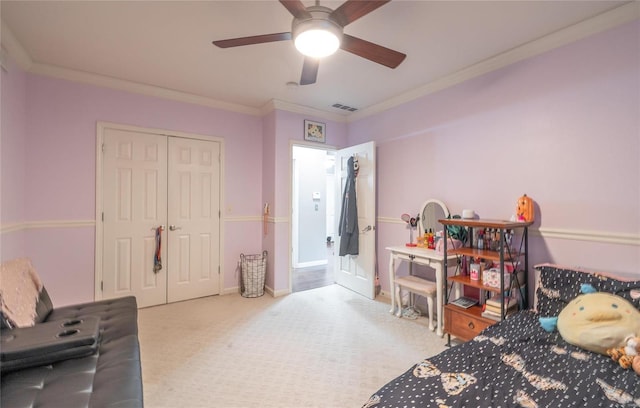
[513, 364]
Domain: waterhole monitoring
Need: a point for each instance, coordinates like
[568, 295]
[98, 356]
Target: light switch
[316, 195]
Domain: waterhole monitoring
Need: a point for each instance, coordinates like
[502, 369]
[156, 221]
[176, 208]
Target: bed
[516, 363]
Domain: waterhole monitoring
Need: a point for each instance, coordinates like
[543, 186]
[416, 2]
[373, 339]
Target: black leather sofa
[108, 376]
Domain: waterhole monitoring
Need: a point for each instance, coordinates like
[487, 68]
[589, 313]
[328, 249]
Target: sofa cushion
[118, 317]
[48, 342]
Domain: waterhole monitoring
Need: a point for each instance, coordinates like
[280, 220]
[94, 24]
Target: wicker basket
[254, 268]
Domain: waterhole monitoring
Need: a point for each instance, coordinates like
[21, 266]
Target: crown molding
[275, 104]
[3, 60]
[602, 22]
[138, 88]
[610, 19]
[17, 53]
[14, 49]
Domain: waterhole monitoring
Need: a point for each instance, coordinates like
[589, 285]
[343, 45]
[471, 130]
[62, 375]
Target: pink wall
[57, 176]
[280, 129]
[60, 136]
[12, 157]
[562, 127]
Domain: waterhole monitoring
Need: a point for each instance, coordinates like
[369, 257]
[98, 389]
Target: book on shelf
[496, 301]
[464, 302]
[497, 309]
[496, 315]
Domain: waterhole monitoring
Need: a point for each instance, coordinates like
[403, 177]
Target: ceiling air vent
[344, 107]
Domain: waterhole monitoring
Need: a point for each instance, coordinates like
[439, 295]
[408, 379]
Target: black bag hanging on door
[348, 227]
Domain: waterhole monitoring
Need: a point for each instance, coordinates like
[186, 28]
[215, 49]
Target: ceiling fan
[328, 22]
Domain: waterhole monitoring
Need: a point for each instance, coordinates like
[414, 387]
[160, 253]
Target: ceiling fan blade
[296, 8]
[351, 10]
[372, 52]
[256, 39]
[309, 71]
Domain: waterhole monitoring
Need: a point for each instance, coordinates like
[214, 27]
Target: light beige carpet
[326, 347]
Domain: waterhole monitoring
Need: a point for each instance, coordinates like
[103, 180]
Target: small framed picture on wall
[314, 131]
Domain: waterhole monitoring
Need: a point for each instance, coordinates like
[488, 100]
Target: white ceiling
[167, 44]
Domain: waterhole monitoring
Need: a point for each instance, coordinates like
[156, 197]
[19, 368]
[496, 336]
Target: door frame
[99, 230]
[306, 144]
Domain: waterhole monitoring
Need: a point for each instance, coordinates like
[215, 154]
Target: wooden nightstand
[465, 324]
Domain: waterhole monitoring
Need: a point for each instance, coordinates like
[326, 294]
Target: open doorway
[313, 217]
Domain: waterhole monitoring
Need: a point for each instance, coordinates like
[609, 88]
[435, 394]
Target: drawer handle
[471, 325]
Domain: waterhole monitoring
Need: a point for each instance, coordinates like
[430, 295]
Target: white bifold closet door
[152, 180]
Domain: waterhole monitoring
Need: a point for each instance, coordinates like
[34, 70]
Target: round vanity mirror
[432, 211]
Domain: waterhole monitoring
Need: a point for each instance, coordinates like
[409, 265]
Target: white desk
[420, 256]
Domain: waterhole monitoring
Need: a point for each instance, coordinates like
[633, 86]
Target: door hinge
[103, 148]
[102, 217]
[218, 269]
[102, 286]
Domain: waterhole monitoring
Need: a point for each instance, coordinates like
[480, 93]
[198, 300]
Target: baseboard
[230, 291]
[384, 294]
[276, 293]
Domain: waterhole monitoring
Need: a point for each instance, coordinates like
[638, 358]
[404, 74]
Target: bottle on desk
[431, 240]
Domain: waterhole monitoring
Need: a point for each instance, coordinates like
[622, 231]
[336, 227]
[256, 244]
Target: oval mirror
[432, 211]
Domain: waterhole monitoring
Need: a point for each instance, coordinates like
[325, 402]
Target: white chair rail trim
[27, 225]
[545, 232]
[608, 237]
[254, 218]
[594, 236]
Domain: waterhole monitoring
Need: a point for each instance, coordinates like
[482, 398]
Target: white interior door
[194, 219]
[358, 272]
[134, 204]
[149, 180]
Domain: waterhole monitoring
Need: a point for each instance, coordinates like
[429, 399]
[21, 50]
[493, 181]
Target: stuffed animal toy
[629, 355]
[596, 321]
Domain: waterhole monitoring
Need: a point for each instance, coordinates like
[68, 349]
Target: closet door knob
[174, 228]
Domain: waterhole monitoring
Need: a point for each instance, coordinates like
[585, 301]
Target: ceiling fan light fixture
[318, 36]
[317, 43]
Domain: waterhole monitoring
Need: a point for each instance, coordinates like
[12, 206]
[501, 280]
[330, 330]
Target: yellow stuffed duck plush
[598, 322]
